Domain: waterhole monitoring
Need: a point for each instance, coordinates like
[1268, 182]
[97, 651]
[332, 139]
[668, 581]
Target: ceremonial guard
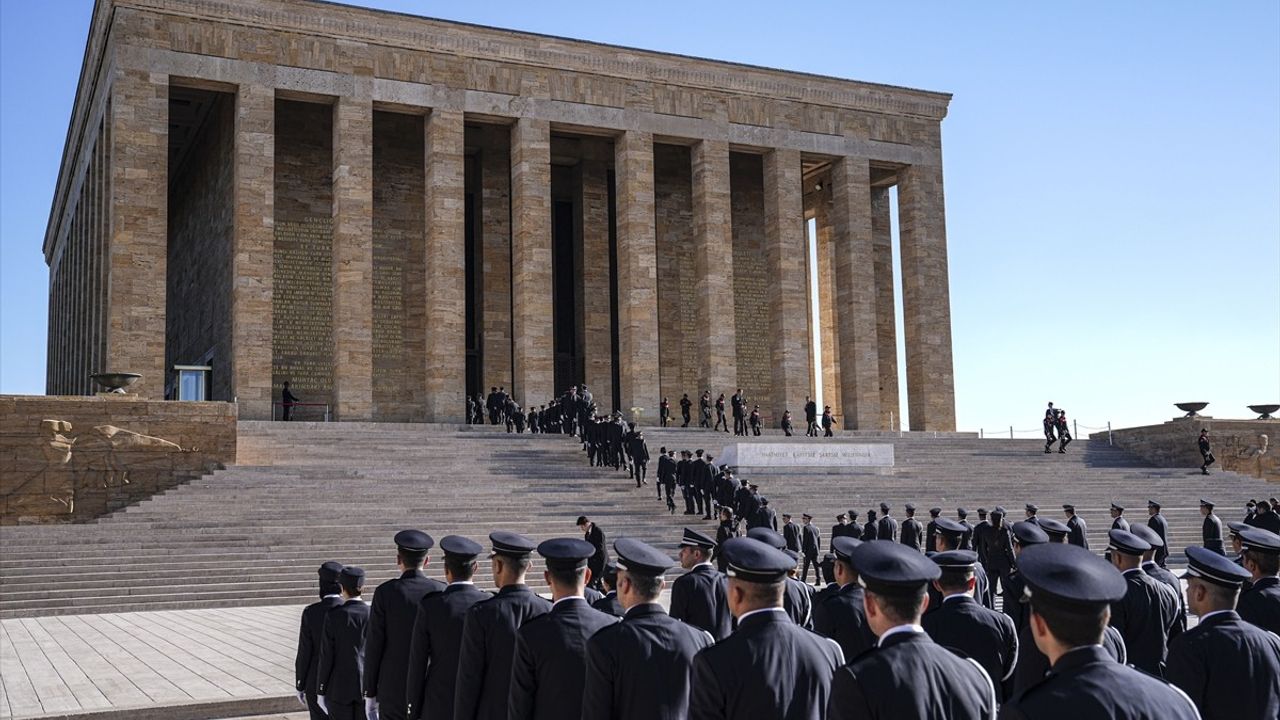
[1145, 613]
[1261, 604]
[549, 670]
[907, 676]
[912, 530]
[700, 596]
[721, 418]
[840, 615]
[1228, 667]
[342, 653]
[1211, 533]
[1070, 590]
[307, 662]
[489, 632]
[1079, 530]
[1118, 520]
[769, 668]
[391, 618]
[437, 633]
[639, 669]
[1206, 451]
[985, 635]
[1160, 527]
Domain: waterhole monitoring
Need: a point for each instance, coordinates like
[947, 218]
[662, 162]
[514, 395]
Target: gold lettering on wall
[752, 313]
[302, 351]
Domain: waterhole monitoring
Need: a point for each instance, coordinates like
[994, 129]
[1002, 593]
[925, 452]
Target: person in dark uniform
[1264, 517]
[754, 420]
[931, 531]
[966, 537]
[1057, 531]
[769, 667]
[1050, 427]
[1160, 526]
[1079, 534]
[721, 419]
[1146, 612]
[639, 669]
[1071, 591]
[1261, 604]
[979, 536]
[1064, 432]
[287, 401]
[307, 662]
[1229, 668]
[788, 428]
[704, 410]
[725, 530]
[639, 451]
[432, 677]
[1206, 451]
[696, 469]
[738, 405]
[765, 517]
[610, 603]
[840, 529]
[887, 528]
[790, 532]
[907, 676]
[840, 615]
[810, 546]
[550, 665]
[1211, 532]
[391, 618]
[1118, 520]
[828, 420]
[592, 534]
[1165, 579]
[339, 675]
[810, 417]
[685, 405]
[664, 413]
[1031, 509]
[870, 531]
[997, 550]
[854, 528]
[985, 635]
[1025, 535]
[912, 530]
[666, 469]
[950, 534]
[684, 475]
[700, 596]
[797, 599]
[489, 632]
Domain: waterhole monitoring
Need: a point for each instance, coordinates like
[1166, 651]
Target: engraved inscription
[302, 351]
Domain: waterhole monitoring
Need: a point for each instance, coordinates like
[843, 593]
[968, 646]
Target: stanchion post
[1109, 433]
[1010, 432]
[1075, 428]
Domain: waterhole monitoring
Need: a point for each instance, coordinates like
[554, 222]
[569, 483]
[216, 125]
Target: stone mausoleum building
[389, 211]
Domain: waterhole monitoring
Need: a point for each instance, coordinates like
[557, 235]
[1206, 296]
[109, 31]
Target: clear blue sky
[1112, 177]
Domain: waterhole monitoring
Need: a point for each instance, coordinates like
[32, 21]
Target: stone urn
[1192, 409]
[1264, 411]
[115, 382]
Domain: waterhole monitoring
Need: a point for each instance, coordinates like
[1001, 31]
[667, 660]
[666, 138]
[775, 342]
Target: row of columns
[138, 243]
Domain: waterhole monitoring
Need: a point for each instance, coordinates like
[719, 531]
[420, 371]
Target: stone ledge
[1237, 444]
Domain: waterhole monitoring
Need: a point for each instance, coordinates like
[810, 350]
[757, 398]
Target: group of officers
[897, 632]
[562, 415]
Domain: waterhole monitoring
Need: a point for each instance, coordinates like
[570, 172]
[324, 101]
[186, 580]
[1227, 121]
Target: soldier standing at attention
[432, 678]
[810, 417]
[1206, 451]
[307, 662]
[769, 667]
[908, 676]
[1071, 591]
[550, 664]
[391, 617]
[489, 632]
[911, 529]
[700, 596]
[685, 405]
[1118, 520]
[1211, 533]
[640, 669]
[342, 653]
[739, 403]
[1078, 534]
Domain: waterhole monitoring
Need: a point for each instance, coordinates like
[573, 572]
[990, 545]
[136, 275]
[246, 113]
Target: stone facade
[381, 219]
[1247, 447]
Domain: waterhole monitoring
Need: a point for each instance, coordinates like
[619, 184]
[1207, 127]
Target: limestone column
[597, 317]
[533, 369]
[716, 360]
[138, 246]
[495, 258]
[785, 256]
[637, 274]
[828, 313]
[446, 297]
[353, 258]
[855, 293]
[886, 318]
[926, 302]
[252, 259]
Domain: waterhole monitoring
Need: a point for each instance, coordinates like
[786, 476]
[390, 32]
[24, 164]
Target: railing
[327, 415]
[1039, 432]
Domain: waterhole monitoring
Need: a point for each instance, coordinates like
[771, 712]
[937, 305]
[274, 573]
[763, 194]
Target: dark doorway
[564, 297]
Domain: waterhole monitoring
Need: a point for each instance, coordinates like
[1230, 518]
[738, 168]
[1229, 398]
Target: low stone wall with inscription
[75, 458]
[1247, 447]
[790, 456]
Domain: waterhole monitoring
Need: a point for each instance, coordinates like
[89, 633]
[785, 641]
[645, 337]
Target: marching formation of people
[1056, 428]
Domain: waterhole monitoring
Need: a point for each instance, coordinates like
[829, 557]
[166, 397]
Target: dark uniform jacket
[700, 597]
[837, 530]
[980, 532]
[488, 646]
[763, 517]
[1079, 532]
[1261, 604]
[1229, 668]
[1158, 524]
[1087, 684]
[1120, 523]
[911, 532]
[870, 532]
[395, 606]
[596, 562]
[998, 554]
[609, 604]
[1269, 520]
[433, 650]
[1143, 616]
[550, 664]
[841, 616]
[1174, 585]
[910, 677]
[791, 534]
[887, 529]
[1211, 533]
[666, 470]
[639, 669]
[966, 539]
[810, 540]
[984, 635]
[931, 537]
[342, 646]
[308, 658]
[768, 669]
[1033, 664]
[797, 601]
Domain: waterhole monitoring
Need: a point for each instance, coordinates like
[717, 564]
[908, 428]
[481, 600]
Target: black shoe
[690, 512]
[1204, 471]
[1047, 451]
[1063, 451]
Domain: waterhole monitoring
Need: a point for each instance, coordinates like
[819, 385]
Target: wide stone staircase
[303, 493]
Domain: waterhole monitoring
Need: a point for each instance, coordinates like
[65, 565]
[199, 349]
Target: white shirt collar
[326, 597]
[704, 562]
[912, 628]
[956, 595]
[570, 597]
[461, 582]
[1206, 616]
[746, 615]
